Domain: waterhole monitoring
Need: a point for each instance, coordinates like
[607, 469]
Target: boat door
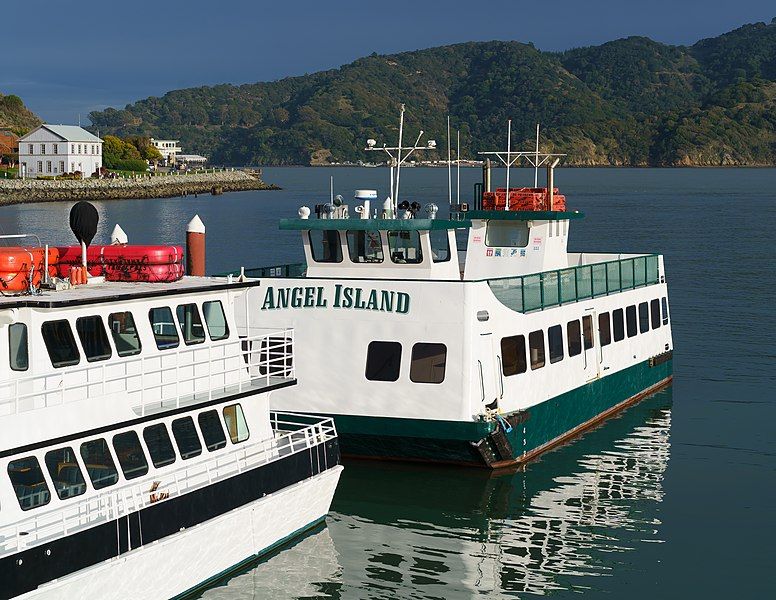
[487, 364]
[592, 364]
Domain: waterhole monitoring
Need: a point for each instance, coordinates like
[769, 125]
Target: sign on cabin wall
[343, 296]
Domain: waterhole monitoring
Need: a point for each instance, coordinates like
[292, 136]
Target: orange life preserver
[18, 265]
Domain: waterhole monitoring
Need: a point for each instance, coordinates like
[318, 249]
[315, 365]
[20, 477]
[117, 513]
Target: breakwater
[15, 191]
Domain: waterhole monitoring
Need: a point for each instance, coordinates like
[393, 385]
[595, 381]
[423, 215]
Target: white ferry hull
[183, 562]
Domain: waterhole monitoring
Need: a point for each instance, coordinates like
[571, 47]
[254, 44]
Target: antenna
[536, 162]
[331, 189]
[509, 158]
[458, 170]
[449, 167]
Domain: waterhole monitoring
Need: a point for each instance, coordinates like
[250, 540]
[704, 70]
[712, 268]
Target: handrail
[538, 291]
[45, 525]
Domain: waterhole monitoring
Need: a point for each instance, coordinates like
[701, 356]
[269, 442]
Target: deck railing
[292, 434]
[538, 291]
[292, 270]
[166, 379]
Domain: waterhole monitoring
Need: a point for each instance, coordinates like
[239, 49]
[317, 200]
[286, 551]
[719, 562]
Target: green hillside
[632, 101]
[15, 116]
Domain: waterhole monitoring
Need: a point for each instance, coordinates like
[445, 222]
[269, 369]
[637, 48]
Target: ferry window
[215, 319]
[99, 463]
[654, 313]
[618, 325]
[122, 328]
[18, 353]
[428, 363]
[65, 473]
[555, 343]
[365, 246]
[643, 317]
[587, 332]
[536, 345]
[130, 454]
[440, 245]
[574, 334]
[159, 445]
[191, 324]
[27, 479]
[325, 245]
[404, 247]
[383, 360]
[186, 437]
[163, 326]
[664, 304]
[513, 234]
[94, 339]
[212, 432]
[236, 424]
[604, 329]
[630, 320]
[513, 355]
[60, 343]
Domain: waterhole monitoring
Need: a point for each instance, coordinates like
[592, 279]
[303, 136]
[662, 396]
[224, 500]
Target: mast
[536, 161]
[449, 167]
[458, 170]
[509, 158]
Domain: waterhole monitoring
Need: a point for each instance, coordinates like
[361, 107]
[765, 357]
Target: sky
[66, 62]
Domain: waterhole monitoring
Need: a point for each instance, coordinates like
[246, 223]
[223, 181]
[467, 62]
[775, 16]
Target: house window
[643, 317]
[43, 148]
[65, 473]
[325, 246]
[99, 463]
[48, 166]
[72, 167]
[536, 346]
[654, 313]
[17, 347]
[40, 166]
[72, 148]
[61, 166]
[94, 339]
[56, 148]
[60, 343]
[428, 363]
[574, 334]
[630, 320]
[587, 332]
[159, 445]
[555, 343]
[28, 482]
[236, 424]
[30, 148]
[383, 360]
[513, 355]
[79, 148]
[163, 326]
[365, 246]
[130, 454]
[185, 435]
[191, 324]
[604, 329]
[212, 432]
[404, 247]
[215, 319]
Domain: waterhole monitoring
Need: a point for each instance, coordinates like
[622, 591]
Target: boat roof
[118, 291]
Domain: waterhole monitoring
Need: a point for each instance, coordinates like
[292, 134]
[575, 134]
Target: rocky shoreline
[16, 191]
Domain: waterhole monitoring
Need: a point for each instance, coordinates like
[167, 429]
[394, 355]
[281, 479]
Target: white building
[57, 149]
[169, 149]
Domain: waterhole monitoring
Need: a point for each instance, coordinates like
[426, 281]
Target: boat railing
[292, 434]
[291, 270]
[538, 291]
[169, 379]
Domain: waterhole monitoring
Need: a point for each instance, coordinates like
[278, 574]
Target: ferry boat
[139, 457]
[478, 339]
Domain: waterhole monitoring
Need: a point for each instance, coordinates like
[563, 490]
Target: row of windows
[55, 148]
[367, 246]
[636, 320]
[63, 351]
[32, 489]
[383, 362]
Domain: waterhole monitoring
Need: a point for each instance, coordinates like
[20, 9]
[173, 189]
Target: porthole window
[513, 355]
[60, 343]
[604, 329]
[130, 454]
[186, 438]
[18, 352]
[94, 339]
[236, 424]
[99, 463]
[122, 328]
[405, 247]
[383, 361]
[163, 326]
[428, 363]
[325, 245]
[28, 482]
[212, 432]
[630, 320]
[159, 445]
[65, 473]
[215, 319]
[365, 246]
[618, 325]
[191, 324]
[574, 334]
[555, 343]
[536, 346]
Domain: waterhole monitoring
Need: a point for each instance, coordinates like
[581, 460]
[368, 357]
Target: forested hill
[627, 102]
[14, 116]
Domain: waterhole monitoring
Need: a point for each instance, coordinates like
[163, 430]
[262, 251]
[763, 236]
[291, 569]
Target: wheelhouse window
[536, 346]
[130, 454]
[236, 424]
[191, 324]
[163, 326]
[664, 304]
[654, 313]
[28, 482]
[365, 246]
[122, 328]
[618, 325]
[555, 343]
[212, 432]
[325, 245]
[94, 339]
[186, 437]
[159, 445]
[587, 332]
[65, 473]
[99, 463]
[60, 343]
[604, 329]
[18, 352]
[215, 319]
[643, 317]
[404, 247]
[513, 355]
[440, 245]
[383, 361]
[428, 363]
[512, 234]
[574, 334]
[630, 320]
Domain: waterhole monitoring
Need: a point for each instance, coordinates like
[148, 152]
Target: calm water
[674, 498]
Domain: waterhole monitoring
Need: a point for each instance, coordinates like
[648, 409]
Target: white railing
[293, 434]
[162, 380]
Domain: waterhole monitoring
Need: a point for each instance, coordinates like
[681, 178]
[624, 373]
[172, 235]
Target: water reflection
[399, 531]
